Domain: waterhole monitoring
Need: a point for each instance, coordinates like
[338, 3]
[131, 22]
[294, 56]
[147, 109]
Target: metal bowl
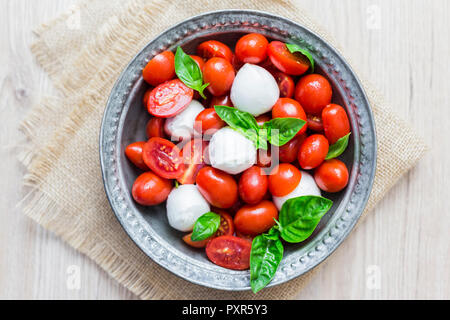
[125, 119]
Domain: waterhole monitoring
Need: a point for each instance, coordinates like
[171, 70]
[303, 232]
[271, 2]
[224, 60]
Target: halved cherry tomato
[331, 176]
[229, 252]
[283, 179]
[285, 84]
[146, 96]
[252, 48]
[226, 227]
[210, 120]
[163, 158]
[150, 189]
[313, 151]
[134, 154]
[195, 244]
[220, 101]
[212, 48]
[257, 218]
[289, 152]
[155, 127]
[253, 185]
[169, 99]
[335, 122]
[285, 61]
[218, 187]
[199, 60]
[219, 73]
[260, 120]
[289, 108]
[160, 69]
[314, 93]
[193, 159]
[314, 123]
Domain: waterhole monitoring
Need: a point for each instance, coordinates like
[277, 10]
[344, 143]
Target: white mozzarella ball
[185, 205]
[181, 127]
[306, 187]
[231, 152]
[254, 90]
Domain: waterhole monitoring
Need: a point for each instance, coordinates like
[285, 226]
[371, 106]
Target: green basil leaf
[338, 148]
[300, 216]
[205, 226]
[281, 130]
[296, 48]
[189, 72]
[242, 122]
[265, 257]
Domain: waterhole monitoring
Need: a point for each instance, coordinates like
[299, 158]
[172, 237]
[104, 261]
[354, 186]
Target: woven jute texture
[83, 52]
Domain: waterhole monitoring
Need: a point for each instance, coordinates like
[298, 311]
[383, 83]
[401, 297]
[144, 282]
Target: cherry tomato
[314, 123]
[264, 158]
[253, 185]
[212, 48]
[331, 176]
[291, 63]
[211, 122]
[226, 227]
[260, 120]
[155, 127]
[252, 48]
[160, 69]
[245, 236]
[199, 60]
[219, 73]
[150, 189]
[218, 187]
[193, 159]
[237, 64]
[257, 218]
[134, 154]
[146, 96]
[285, 84]
[289, 152]
[229, 252]
[283, 179]
[163, 158]
[314, 93]
[289, 108]
[313, 151]
[169, 99]
[335, 122]
[195, 244]
[221, 101]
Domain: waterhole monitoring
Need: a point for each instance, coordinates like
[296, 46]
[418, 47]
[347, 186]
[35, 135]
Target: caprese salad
[240, 146]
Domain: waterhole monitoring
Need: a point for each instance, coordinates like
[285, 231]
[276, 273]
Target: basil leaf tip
[296, 48]
[205, 226]
[338, 148]
[189, 72]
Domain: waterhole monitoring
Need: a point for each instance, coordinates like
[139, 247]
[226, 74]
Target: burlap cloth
[84, 51]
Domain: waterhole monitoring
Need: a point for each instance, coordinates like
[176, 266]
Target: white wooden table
[402, 46]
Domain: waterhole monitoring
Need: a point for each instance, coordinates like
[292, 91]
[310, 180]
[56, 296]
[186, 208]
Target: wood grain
[402, 46]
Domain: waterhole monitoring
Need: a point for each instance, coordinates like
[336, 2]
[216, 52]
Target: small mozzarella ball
[231, 152]
[306, 187]
[181, 127]
[185, 205]
[254, 90]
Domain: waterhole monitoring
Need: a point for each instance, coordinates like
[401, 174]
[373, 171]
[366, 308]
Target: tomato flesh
[229, 252]
[314, 123]
[169, 99]
[226, 227]
[285, 84]
[193, 159]
[163, 158]
[285, 61]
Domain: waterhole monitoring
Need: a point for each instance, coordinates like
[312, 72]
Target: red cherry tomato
[331, 176]
[335, 122]
[253, 185]
[199, 60]
[212, 48]
[169, 99]
[264, 158]
[219, 73]
[160, 69]
[146, 96]
[256, 219]
[252, 48]
[260, 120]
[289, 152]
[221, 101]
[218, 187]
[163, 158]
[285, 61]
[134, 154]
[244, 236]
[195, 244]
[289, 108]
[150, 189]
[283, 179]
[314, 93]
[155, 127]
[226, 227]
[313, 151]
[211, 122]
[285, 84]
[229, 252]
[314, 123]
[193, 159]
